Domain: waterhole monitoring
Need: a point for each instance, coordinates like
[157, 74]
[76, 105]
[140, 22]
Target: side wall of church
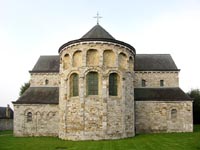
[45, 79]
[36, 120]
[153, 78]
[154, 116]
[98, 116]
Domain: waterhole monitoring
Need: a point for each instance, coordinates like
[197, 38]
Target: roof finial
[98, 17]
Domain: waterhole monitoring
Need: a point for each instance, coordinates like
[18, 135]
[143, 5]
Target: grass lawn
[163, 141]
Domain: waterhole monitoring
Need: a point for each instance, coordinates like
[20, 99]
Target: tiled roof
[160, 94]
[39, 95]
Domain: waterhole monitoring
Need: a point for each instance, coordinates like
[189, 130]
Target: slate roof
[39, 95]
[50, 95]
[154, 62]
[3, 113]
[160, 94]
[47, 64]
[97, 32]
[143, 62]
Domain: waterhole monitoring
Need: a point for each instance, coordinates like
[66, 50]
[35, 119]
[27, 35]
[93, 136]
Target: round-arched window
[173, 114]
[29, 117]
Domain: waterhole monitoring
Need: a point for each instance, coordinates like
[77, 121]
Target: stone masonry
[45, 120]
[96, 116]
[153, 116]
[50, 107]
[153, 78]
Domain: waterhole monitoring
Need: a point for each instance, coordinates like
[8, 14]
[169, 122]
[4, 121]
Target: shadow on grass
[197, 128]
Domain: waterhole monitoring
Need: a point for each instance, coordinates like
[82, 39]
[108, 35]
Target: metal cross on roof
[98, 17]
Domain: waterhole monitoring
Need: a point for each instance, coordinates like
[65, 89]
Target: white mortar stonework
[153, 78]
[99, 116]
[154, 116]
[38, 79]
[45, 120]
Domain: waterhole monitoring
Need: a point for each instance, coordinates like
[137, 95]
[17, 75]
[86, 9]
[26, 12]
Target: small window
[161, 83]
[113, 84]
[74, 84]
[173, 114]
[92, 83]
[29, 117]
[46, 82]
[143, 83]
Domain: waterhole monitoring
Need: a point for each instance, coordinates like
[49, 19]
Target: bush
[195, 94]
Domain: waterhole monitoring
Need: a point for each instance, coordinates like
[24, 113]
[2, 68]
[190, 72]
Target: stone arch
[50, 115]
[173, 114]
[74, 84]
[77, 59]
[28, 113]
[109, 58]
[122, 61]
[66, 61]
[114, 83]
[131, 63]
[92, 83]
[92, 57]
[46, 82]
[28, 110]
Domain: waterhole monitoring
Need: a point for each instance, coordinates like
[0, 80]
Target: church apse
[99, 88]
[100, 109]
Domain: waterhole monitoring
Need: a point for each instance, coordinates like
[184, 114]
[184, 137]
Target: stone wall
[155, 116]
[45, 79]
[6, 124]
[44, 120]
[101, 116]
[153, 78]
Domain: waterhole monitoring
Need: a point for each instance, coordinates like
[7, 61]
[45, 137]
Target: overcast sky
[30, 28]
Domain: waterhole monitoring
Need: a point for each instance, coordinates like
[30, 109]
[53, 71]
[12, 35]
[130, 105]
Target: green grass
[162, 141]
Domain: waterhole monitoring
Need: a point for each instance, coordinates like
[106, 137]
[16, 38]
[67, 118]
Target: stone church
[99, 88]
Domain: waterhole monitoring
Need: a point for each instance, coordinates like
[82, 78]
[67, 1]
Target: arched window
[92, 83]
[29, 117]
[173, 114]
[144, 82]
[161, 83]
[74, 84]
[46, 82]
[113, 84]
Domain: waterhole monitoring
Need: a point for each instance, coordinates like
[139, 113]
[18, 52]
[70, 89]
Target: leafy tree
[195, 94]
[24, 88]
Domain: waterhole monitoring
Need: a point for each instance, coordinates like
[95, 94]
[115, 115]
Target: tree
[195, 94]
[24, 88]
